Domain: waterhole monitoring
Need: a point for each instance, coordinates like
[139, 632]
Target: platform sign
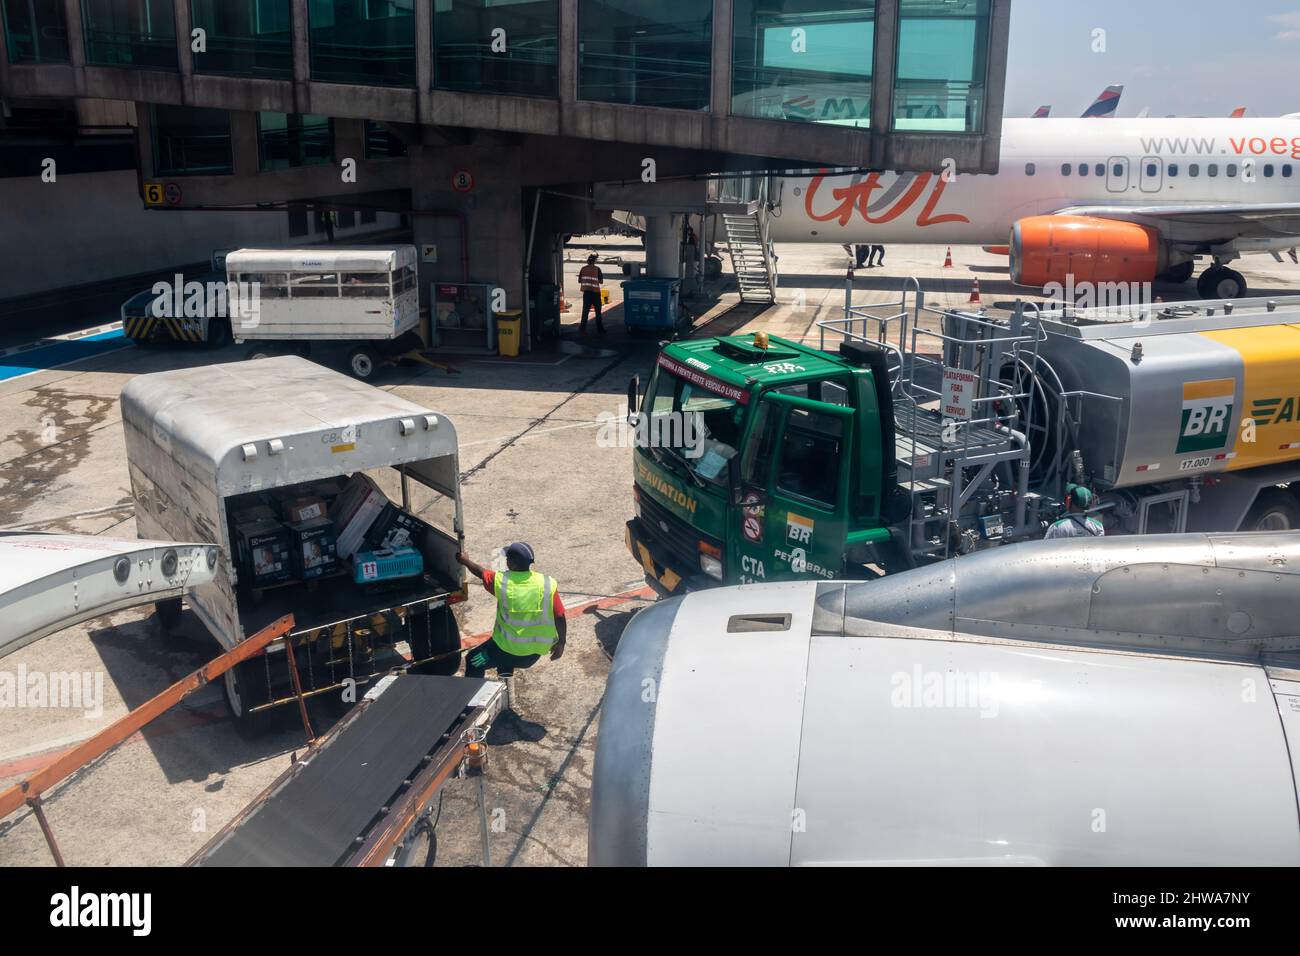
[462, 180]
[958, 392]
[153, 194]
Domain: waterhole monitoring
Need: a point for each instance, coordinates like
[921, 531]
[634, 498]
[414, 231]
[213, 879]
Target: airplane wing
[1214, 222]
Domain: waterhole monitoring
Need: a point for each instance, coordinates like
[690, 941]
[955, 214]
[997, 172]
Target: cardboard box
[307, 508]
[314, 547]
[263, 550]
[394, 528]
[354, 511]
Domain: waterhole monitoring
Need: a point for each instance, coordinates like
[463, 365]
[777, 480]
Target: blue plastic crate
[386, 564]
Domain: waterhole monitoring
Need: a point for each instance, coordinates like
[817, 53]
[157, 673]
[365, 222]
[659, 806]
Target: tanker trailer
[1182, 417]
[1104, 701]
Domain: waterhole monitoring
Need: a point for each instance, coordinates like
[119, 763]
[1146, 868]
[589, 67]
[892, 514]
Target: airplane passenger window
[1212, 170]
[1117, 170]
[1286, 170]
[1173, 169]
[1101, 169]
[1193, 170]
[1232, 169]
[1029, 169]
[1065, 169]
[1083, 169]
[1268, 170]
[1151, 169]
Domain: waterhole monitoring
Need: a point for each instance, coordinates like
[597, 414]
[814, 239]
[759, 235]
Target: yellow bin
[509, 328]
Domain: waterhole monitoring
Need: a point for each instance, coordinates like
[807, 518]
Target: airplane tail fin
[1238, 113]
[1106, 102]
[1042, 111]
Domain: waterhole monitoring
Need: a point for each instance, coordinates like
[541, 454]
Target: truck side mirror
[633, 398]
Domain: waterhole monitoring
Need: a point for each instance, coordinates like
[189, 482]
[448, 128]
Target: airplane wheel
[1179, 273]
[1219, 282]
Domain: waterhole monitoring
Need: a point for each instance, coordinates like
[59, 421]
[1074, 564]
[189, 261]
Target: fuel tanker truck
[915, 434]
[1101, 701]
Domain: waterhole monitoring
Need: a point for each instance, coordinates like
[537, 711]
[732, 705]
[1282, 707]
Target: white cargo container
[206, 443]
[367, 294]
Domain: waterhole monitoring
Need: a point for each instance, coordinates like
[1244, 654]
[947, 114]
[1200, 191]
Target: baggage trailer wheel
[244, 687]
[363, 361]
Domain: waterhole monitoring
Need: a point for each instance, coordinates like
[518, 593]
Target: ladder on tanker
[944, 460]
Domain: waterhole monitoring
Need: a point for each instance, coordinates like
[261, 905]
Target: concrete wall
[93, 227]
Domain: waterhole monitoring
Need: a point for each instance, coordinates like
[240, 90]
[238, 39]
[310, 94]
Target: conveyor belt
[315, 817]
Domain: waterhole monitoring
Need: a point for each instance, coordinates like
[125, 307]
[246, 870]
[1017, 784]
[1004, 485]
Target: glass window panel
[643, 54]
[381, 144]
[803, 60]
[36, 30]
[192, 141]
[941, 63]
[371, 42]
[286, 141]
[130, 33]
[496, 46]
[247, 38]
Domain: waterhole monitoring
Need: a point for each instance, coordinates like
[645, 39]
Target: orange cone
[947, 259]
[974, 291]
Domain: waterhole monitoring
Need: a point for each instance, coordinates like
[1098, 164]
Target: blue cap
[520, 552]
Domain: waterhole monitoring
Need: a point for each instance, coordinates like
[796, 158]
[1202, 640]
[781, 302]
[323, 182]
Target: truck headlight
[711, 566]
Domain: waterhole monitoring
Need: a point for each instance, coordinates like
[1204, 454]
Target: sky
[1188, 57]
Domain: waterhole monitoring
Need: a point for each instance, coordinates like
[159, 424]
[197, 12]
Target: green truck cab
[758, 459]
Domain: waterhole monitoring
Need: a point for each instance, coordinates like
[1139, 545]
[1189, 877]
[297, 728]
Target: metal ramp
[945, 463]
[741, 202]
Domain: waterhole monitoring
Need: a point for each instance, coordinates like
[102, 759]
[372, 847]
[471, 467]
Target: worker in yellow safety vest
[530, 615]
[590, 279]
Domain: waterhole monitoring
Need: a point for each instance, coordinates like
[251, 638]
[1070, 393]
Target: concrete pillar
[567, 65]
[663, 238]
[495, 221]
[301, 56]
[720, 104]
[882, 79]
[184, 51]
[76, 44]
[243, 143]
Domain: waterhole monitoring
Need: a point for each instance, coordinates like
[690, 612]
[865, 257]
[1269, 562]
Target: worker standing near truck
[590, 279]
[530, 615]
[1075, 523]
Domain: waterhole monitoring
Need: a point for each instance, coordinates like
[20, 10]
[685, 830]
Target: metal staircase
[742, 204]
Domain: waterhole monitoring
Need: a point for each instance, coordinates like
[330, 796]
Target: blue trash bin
[651, 303]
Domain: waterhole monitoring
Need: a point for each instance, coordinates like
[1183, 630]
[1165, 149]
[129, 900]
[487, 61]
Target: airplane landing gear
[1220, 282]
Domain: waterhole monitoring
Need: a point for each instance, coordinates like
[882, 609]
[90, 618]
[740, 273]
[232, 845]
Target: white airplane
[1124, 201]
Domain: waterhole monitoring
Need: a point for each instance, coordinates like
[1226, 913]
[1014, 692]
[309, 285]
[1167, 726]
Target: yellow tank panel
[1270, 358]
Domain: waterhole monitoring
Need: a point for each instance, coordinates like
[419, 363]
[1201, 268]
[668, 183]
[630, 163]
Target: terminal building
[487, 127]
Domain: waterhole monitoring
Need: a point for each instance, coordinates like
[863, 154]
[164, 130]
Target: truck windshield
[699, 428]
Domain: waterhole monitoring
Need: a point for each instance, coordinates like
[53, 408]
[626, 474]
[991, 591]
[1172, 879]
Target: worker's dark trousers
[591, 300]
[490, 656]
[871, 258]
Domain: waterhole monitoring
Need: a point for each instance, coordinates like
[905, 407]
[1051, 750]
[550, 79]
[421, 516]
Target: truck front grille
[677, 538]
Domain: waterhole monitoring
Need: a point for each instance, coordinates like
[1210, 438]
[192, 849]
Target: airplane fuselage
[1126, 162]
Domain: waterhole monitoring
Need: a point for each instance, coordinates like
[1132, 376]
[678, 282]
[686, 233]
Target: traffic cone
[564, 304]
[974, 291]
[947, 259]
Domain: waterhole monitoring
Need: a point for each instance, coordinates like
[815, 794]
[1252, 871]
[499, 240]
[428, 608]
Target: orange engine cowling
[1048, 249]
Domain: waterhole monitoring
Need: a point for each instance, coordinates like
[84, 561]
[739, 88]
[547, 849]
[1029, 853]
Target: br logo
[1207, 413]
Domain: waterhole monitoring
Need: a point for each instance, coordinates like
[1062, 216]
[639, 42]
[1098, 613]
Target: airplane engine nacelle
[1048, 249]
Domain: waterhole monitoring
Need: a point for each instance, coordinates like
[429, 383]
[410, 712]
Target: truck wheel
[168, 613]
[362, 362]
[1274, 510]
[218, 334]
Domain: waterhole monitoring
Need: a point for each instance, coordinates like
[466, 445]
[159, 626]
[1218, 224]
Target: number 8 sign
[462, 181]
